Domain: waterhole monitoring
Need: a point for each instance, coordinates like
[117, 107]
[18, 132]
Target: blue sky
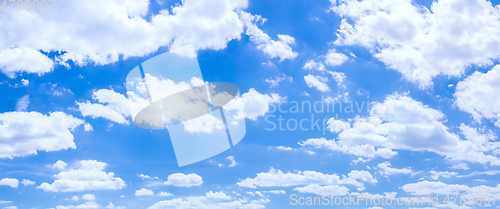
[425, 71]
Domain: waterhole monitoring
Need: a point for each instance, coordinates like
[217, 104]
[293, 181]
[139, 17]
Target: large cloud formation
[102, 32]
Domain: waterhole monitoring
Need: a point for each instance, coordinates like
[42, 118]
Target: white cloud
[232, 160]
[183, 180]
[332, 58]
[25, 82]
[387, 169]
[218, 200]
[273, 82]
[114, 107]
[125, 29]
[364, 176]
[112, 206]
[10, 207]
[88, 197]
[312, 65]
[364, 150]
[437, 187]
[340, 78]
[253, 104]
[14, 183]
[120, 109]
[332, 190]
[337, 126]
[310, 179]
[317, 82]
[204, 124]
[60, 165]
[275, 178]
[88, 127]
[165, 194]
[401, 123]
[147, 177]
[86, 175]
[283, 148]
[23, 59]
[75, 198]
[144, 192]
[288, 149]
[421, 43]
[87, 205]
[26, 133]
[477, 95]
[435, 175]
[27, 182]
[280, 48]
[23, 103]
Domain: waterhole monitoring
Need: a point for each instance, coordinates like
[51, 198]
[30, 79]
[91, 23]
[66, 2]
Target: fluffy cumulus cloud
[27, 182]
[253, 104]
[23, 59]
[112, 106]
[310, 181]
[337, 126]
[419, 42]
[119, 108]
[26, 133]
[401, 123]
[477, 95]
[83, 205]
[273, 82]
[219, 200]
[85, 175]
[14, 183]
[124, 28]
[313, 65]
[280, 48]
[144, 192]
[88, 197]
[387, 169]
[317, 82]
[183, 180]
[333, 58]
[435, 175]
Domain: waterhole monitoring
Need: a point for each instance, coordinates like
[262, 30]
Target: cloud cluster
[310, 181]
[183, 180]
[26, 133]
[437, 187]
[103, 32]
[477, 95]
[422, 43]
[219, 200]
[401, 123]
[85, 175]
